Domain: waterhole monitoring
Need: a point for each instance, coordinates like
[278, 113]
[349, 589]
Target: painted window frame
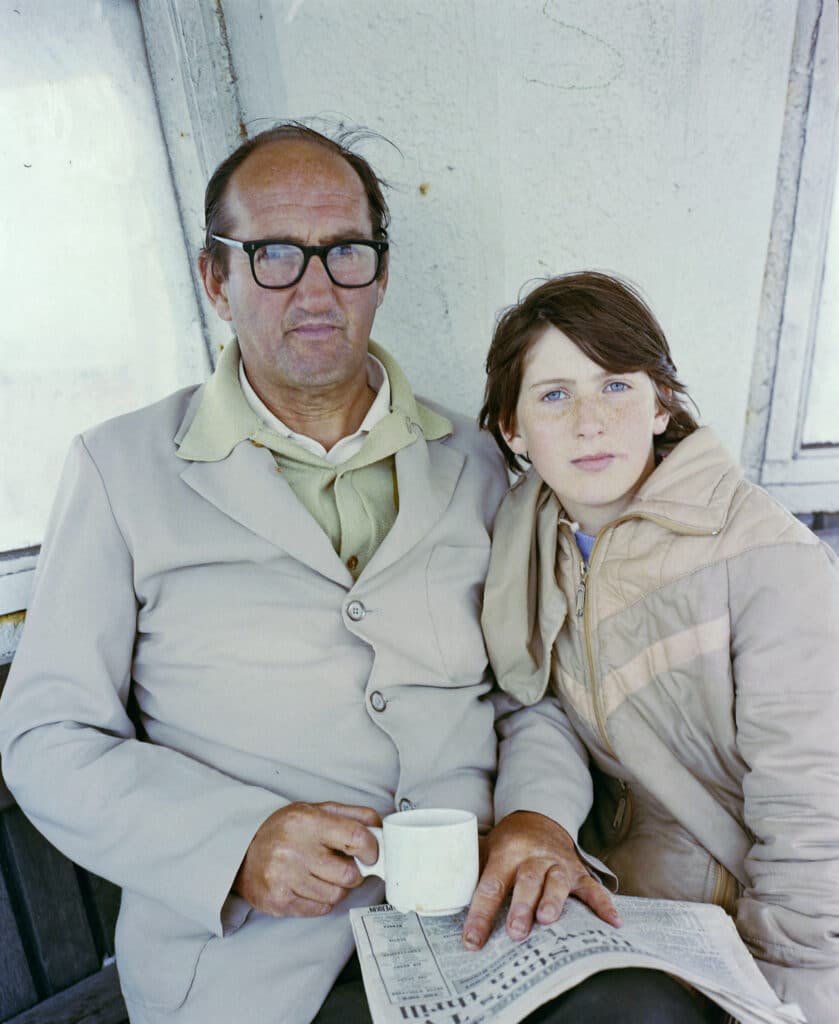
[805, 478]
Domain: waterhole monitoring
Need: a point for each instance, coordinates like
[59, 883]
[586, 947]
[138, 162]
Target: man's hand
[300, 862]
[537, 859]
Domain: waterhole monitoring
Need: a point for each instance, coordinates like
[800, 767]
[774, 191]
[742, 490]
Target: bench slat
[96, 1000]
[49, 894]
[17, 988]
[101, 899]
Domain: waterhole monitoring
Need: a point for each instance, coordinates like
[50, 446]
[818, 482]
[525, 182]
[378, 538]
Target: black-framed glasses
[275, 263]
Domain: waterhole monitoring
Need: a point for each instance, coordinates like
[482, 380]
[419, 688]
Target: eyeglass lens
[351, 264]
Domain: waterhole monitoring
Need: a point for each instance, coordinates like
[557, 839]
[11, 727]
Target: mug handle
[379, 867]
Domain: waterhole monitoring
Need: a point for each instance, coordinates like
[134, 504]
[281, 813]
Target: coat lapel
[247, 487]
[426, 476]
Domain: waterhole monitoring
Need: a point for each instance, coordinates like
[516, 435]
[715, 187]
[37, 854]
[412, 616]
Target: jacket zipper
[581, 610]
[581, 589]
[624, 803]
[581, 607]
[623, 809]
[725, 889]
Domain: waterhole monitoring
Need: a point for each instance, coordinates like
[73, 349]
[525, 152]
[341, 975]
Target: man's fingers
[492, 887]
[366, 815]
[555, 889]
[345, 829]
[316, 889]
[282, 902]
[592, 893]
[336, 869]
[300, 863]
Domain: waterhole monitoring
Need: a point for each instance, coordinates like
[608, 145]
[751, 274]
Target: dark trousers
[627, 996]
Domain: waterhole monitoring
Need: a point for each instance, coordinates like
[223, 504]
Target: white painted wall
[542, 136]
[99, 312]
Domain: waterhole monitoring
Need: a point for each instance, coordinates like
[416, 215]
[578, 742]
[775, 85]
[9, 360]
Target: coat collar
[242, 481]
[692, 488]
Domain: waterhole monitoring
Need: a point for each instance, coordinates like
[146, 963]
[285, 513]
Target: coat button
[405, 804]
[352, 562]
[378, 701]
[356, 611]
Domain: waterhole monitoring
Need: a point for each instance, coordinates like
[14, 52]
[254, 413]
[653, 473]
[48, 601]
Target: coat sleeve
[785, 658]
[146, 817]
[543, 767]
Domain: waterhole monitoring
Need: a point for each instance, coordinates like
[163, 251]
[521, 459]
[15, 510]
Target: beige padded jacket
[697, 658]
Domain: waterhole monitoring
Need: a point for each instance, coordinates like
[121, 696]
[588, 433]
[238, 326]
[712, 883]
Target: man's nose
[315, 281]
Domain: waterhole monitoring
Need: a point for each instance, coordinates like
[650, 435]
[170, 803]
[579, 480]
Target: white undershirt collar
[348, 446]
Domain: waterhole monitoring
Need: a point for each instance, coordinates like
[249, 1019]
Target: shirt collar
[224, 417]
[347, 446]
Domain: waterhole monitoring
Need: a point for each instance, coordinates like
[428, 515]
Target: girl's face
[588, 432]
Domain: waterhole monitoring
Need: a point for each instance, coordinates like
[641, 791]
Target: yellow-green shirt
[355, 502]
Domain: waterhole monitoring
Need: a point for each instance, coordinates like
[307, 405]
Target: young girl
[687, 625]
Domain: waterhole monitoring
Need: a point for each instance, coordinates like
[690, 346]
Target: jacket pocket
[455, 582]
[157, 952]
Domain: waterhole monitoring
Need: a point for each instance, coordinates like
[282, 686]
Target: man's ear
[517, 443]
[381, 281]
[214, 285]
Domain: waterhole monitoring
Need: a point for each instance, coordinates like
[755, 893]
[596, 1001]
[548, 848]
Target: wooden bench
[56, 930]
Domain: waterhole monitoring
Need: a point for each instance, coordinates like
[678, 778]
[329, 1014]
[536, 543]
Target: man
[255, 629]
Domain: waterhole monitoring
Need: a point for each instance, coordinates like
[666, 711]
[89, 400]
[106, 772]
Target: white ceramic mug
[428, 859]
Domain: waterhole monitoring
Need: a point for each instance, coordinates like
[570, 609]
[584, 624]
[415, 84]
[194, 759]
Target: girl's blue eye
[616, 386]
[554, 396]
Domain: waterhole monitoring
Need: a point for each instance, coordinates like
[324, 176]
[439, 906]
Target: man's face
[311, 337]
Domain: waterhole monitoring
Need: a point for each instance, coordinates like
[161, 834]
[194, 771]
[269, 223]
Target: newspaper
[416, 969]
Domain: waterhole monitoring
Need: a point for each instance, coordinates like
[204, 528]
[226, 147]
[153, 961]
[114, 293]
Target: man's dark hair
[609, 322]
[215, 212]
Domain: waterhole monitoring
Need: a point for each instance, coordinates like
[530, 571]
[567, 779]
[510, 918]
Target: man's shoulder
[149, 426]
[466, 434]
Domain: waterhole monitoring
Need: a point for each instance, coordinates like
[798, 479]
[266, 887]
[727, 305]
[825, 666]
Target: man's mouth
[315, 330]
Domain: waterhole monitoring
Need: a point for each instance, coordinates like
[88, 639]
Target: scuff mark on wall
[293, 11]
[596, 63]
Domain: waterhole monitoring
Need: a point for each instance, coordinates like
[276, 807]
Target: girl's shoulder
[759, 519]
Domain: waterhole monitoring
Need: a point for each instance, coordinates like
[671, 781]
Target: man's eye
[277, 254]
[345, 253]
[616, 386]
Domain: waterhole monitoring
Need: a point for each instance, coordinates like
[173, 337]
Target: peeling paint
[11, 627]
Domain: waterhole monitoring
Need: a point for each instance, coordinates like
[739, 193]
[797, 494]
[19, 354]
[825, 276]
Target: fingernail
[616, 919]
[471, 939]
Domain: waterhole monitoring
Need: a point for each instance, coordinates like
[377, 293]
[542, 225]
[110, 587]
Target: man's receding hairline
[301, 140]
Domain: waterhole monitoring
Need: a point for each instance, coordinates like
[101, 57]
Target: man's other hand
[537, 859]
[300, 862]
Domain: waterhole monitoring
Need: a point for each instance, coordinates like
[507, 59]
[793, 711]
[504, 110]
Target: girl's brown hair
[609, 322]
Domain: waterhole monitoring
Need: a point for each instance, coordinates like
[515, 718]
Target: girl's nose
[589, 421]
